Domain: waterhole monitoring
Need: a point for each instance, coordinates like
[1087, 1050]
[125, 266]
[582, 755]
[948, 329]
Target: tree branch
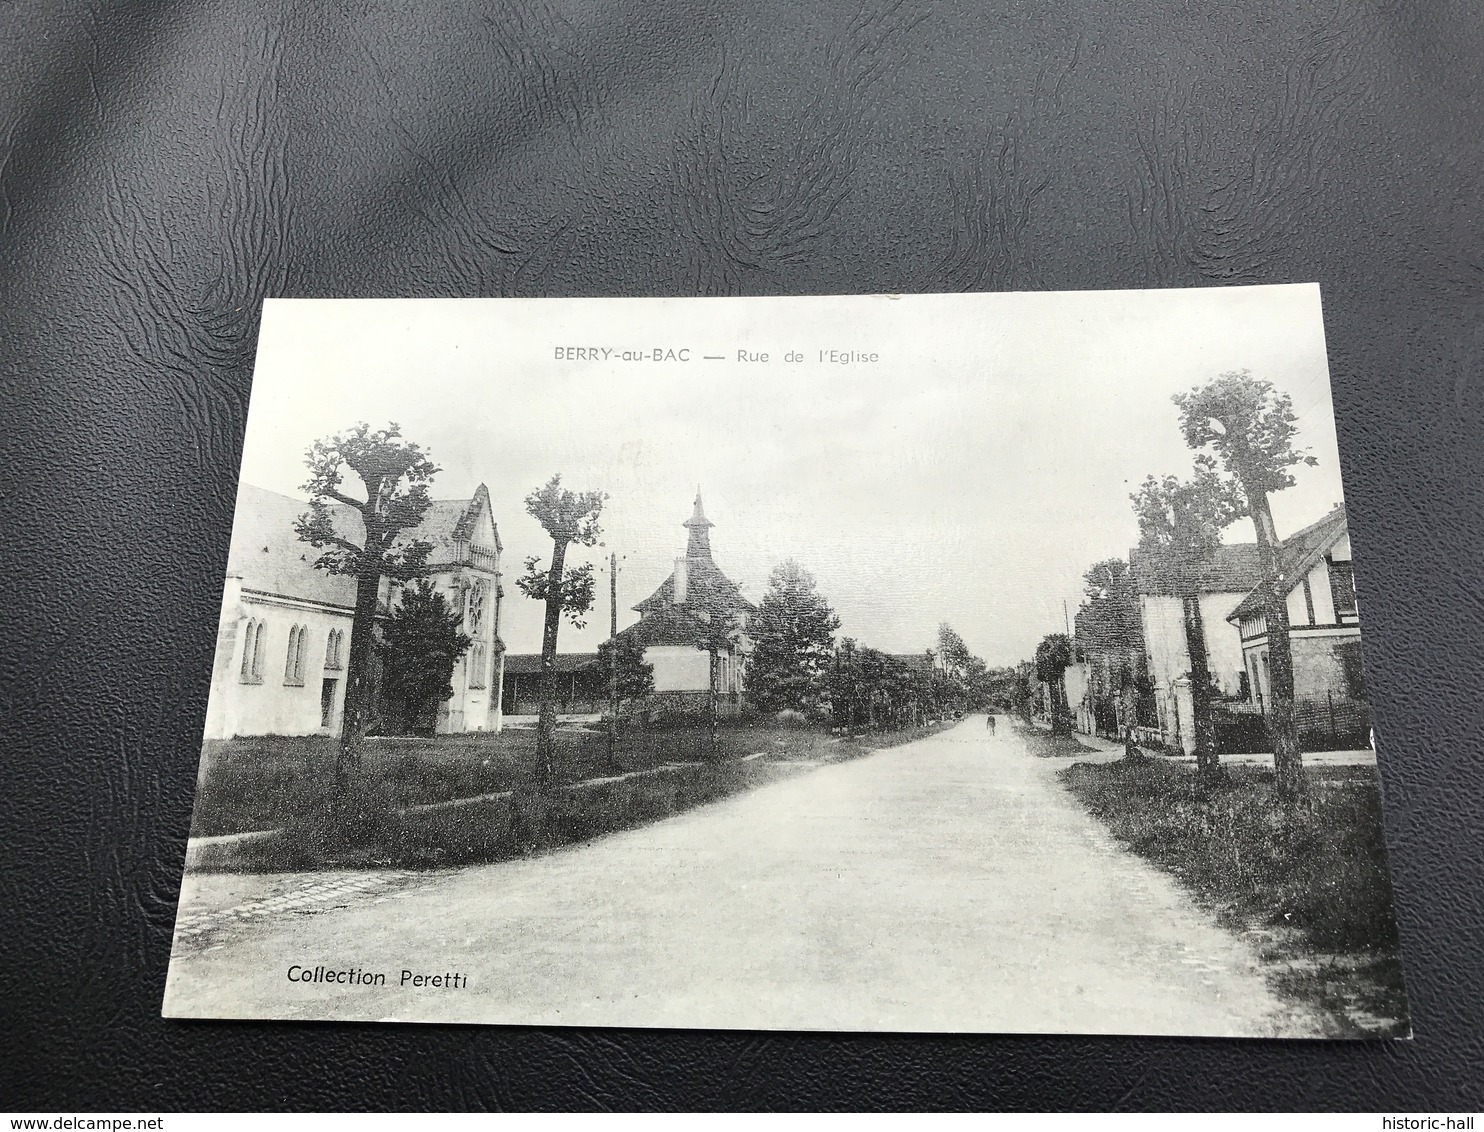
[339, 498]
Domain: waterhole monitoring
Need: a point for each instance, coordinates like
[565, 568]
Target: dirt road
[949, 884]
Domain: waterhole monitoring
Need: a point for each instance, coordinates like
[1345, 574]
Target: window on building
[474, 609]
[333, 646]
[477, 665]
[251, 671]
[293, 664]
[1342, 585]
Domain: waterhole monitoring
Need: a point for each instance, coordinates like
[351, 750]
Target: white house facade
[283, 638]
[1220, 585]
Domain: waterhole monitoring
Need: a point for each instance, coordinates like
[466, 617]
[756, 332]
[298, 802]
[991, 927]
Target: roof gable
[1301, 553]
[270, 558]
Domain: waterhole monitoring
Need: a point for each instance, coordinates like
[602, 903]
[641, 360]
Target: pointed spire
[699, 526]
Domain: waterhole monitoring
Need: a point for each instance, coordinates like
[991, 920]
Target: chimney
[682, 581]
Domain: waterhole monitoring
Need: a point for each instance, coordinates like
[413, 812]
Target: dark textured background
[167, 166]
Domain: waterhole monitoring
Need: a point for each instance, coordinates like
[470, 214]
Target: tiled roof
[668, 625]
[1301, 551]
[269, 556]
[529, 663]
[1234, 568]
[707, 587]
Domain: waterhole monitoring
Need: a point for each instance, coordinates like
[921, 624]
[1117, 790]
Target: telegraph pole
[613, 661]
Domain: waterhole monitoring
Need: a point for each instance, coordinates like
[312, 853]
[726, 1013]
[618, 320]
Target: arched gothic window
[474, 609]
[293, 665]
[257, 652]
[249, 642]
[332, 649]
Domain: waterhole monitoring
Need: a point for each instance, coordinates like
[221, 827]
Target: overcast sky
[968, 475]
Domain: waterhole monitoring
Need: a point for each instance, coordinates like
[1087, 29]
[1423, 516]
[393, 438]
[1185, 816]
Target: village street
[947, 884]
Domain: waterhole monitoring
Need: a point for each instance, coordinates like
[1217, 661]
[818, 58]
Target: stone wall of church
[475, 703]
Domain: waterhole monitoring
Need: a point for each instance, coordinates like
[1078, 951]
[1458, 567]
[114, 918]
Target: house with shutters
[693, 629]
[283, 637]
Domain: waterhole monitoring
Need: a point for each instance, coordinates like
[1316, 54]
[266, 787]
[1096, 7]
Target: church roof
[669, 625]
[698, 515]
[707, 588]
[269, 556]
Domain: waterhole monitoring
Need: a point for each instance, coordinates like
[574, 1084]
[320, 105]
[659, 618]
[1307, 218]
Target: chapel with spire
[693, 628]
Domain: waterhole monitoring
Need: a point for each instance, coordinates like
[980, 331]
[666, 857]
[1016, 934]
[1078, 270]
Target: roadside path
[948, 884]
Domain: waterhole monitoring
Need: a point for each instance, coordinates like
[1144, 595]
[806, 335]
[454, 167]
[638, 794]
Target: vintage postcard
[964, 663]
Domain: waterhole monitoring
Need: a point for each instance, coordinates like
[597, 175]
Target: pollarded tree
[420, 643]
[1180, 525]
[793, 642]
[568, 517]
[394, 475]
[1251, 427]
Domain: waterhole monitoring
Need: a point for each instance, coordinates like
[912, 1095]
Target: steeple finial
[699, 545]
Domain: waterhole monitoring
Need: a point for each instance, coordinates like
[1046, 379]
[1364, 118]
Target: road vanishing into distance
[948, 884]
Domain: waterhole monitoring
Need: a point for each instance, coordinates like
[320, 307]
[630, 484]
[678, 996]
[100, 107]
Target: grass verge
[461, 798]
[1045, 745]
[1308, 885]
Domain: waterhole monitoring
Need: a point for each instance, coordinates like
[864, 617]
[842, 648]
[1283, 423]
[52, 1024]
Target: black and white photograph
[960, 663]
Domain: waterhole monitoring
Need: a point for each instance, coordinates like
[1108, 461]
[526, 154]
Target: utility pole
[613, 661]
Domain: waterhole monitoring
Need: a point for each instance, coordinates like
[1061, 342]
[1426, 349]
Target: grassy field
[265, 782]
[1309, 885]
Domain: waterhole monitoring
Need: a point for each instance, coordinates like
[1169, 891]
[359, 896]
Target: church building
[694, 628]
[283, 641]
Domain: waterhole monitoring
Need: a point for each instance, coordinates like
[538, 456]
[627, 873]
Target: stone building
[283, 640]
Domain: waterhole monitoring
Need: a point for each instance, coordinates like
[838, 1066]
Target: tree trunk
[1207, 762]
[1060, 711]
[1288, 761]
[546, 724]
[358, 679]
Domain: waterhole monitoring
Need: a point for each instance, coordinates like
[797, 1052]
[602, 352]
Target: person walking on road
[989, 723]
